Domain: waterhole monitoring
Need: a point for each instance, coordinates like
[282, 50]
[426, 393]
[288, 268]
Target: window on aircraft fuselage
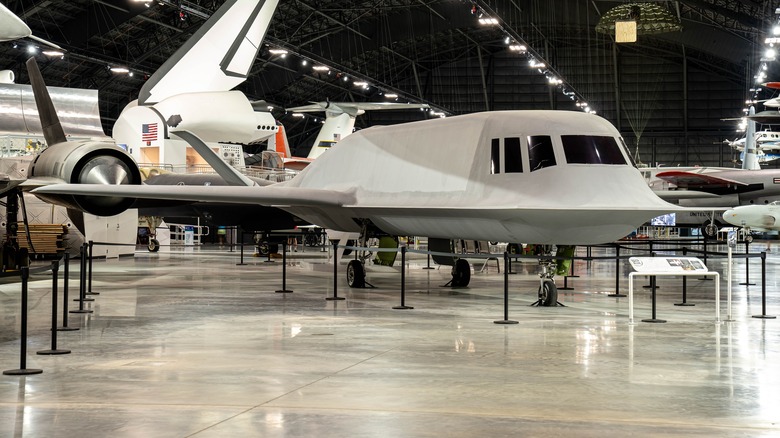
[495, 157]
[591, 149]
[540, 152]
[513, 159]
[627, 151]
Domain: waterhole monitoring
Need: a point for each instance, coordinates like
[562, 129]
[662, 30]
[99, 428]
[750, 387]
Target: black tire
[356, 274]
[461, 273]
[263, 248]
[749, 238]
[709, 231]
[154, 245]
[548, 294]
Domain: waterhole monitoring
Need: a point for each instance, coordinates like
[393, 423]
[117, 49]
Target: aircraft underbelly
[537, 226]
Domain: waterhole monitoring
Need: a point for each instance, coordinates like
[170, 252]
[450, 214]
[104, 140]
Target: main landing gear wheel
[356, 274]
[749, 238]
[710, 231]
[154, 245]
[548, 294]
[461, 273]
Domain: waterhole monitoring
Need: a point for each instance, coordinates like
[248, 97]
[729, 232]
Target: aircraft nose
[732, 217]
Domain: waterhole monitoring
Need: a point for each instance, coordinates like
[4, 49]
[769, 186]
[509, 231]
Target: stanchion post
[335, 296]
[506, 319]
[763, 314]
[89, 290]
[685, 286]
[55, 267]
[403, 305]
[652, 287]
[65, 277]
[429, 260]
[23, 371]
[705, 278]
[284, 290]
[617, 274]
[241, 263]
[82, 282]
[747, 266]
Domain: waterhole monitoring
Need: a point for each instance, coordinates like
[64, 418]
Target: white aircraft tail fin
[340, 119]
[750, 160]
[218, 56]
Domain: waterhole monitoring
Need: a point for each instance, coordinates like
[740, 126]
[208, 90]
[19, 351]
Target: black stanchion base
[67, 329]
[764, 316]
[428, 267]
[747, 284]
[647, 286]
[240, 264]
[565, 288]
[657, 321]
[24, 372]
[617, 295]
[684, 304]
[85, 299]
[91, 293]
[269, 261]
[53, 352]
[505, 321]
[335, 298]
[81, 311]
[402, 307]
[284, 291]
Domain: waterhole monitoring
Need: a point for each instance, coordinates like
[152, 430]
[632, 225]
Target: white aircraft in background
[13, 28]
[340, 119]
[755, 217]
[192, 89]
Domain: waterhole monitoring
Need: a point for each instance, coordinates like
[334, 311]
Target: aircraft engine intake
[88, 163]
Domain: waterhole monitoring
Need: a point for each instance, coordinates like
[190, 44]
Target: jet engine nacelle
[87, 162]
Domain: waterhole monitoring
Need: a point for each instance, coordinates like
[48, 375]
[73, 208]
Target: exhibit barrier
[649, 247]
[24, 275]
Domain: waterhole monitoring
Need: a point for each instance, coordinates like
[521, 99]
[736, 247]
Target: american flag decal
[149, 132]
[775, 180]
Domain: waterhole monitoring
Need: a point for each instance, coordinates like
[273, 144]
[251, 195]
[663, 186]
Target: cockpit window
[591, 149]
[540, 152]
[627, 151]
[513, 162]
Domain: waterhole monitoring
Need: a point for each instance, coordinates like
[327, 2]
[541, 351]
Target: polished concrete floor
[187, 343]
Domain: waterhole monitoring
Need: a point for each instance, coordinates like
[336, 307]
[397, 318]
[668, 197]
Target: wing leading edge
[272, 196]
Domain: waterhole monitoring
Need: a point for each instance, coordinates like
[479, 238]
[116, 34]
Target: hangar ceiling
[667, 92]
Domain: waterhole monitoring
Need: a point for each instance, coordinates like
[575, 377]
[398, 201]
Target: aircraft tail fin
[218, 56]
[282, 144]
[50, 123]
[750, 160]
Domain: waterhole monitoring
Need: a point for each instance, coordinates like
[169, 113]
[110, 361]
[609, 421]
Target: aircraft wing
[693, 180]
[355, 106]
[676, 195]
[11, 26]
[272, 196]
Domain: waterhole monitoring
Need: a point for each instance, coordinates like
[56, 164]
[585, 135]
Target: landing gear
[710, 231]
[154, 245]
[749, 238]
[461, 273]
[548, 293]
[356, 274]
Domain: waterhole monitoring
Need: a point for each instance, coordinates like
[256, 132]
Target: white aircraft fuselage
[433, 178]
